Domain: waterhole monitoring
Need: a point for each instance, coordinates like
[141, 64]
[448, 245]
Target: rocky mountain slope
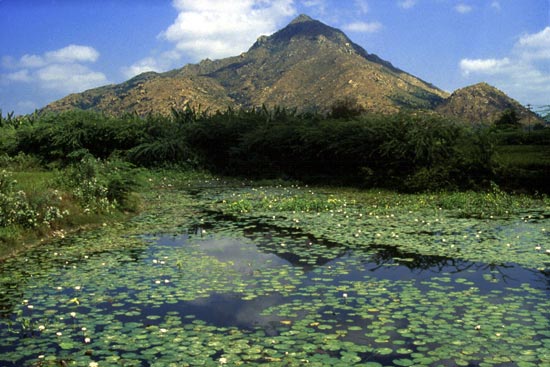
[482, 102]
[306, 65]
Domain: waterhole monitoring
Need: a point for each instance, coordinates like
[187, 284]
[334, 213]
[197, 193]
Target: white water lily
[41, 327]
[73, 314]
[87, 340]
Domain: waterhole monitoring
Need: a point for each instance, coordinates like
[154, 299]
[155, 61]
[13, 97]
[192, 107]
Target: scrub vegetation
[70, 169]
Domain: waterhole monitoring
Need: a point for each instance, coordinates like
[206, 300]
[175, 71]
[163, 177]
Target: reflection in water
[389, 261]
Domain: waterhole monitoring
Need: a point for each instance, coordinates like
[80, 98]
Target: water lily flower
[73, 314]
[223, 360]
[77, 288]
[87, 340]
[163, 330]
[345, 295]
[59, 333]
[477, 327]
[41, 327]
[93, 364]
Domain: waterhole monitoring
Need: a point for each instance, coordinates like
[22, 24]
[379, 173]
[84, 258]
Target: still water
[218, 292]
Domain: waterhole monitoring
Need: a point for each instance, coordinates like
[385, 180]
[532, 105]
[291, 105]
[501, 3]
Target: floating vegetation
[196, 281]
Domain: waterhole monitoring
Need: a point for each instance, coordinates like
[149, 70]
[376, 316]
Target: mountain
[483, 103]
[307, 65]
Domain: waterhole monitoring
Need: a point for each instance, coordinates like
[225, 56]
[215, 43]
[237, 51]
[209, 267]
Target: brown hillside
[307, 65]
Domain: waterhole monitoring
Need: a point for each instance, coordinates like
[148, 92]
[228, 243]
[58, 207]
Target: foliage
[164, 142]
[508, 120]
[14, 205]
[346, 108]
[408, 151]
[404, 151]
[102, 186]
[56, 136]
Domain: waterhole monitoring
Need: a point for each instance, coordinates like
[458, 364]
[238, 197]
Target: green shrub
[14, 205]
[102, 186]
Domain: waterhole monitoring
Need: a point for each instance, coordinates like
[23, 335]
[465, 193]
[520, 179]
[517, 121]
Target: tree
[346, 108]
[508, 119]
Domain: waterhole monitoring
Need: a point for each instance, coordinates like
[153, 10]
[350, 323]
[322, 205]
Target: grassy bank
[37, 204]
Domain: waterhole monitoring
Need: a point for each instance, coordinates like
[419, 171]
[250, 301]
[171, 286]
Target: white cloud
[163, 62]
[496, 5]
[463, 8]
[69, 77]
[215, 29]
[72, 53]
[364, 27]
[221, 28]
[524, 73]
[406, 4]
[19, 76]
[61, 70]
[32, 61]
[535, 46]
[487, 66]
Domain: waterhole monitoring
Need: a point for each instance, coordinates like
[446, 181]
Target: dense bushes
[408, 151]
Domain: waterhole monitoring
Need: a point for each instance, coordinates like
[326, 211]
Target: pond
[189, 284]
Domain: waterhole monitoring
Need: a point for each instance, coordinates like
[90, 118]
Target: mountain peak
[302, 28]
[302, 18]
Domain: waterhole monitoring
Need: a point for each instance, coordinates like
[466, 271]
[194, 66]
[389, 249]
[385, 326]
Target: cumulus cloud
[487, 66]
[162, 62]
[69, 77]
[216, 29]
[221, 28]
[535, 46]
[61, 70]
[524, 73]
[463, 8]
[363, 27]
[72, 53]
[19, 76]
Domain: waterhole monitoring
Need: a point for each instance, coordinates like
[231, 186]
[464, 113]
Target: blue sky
[50, 48]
